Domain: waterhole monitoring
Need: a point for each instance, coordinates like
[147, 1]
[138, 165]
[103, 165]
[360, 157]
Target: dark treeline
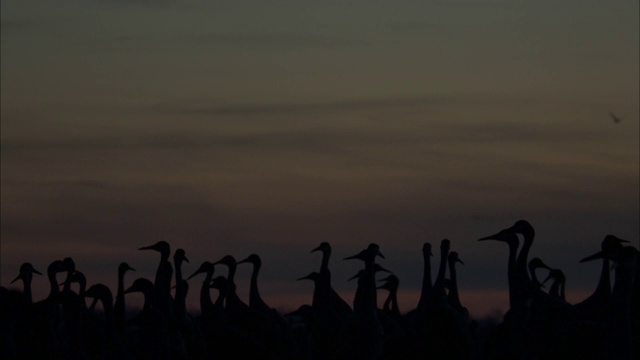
[540, 323]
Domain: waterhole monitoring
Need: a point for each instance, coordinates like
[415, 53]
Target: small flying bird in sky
[616, 120]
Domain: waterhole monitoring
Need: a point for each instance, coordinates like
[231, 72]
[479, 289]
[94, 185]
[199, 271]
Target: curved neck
[119, 305]
[181, 291]
[205, 297]
[254, 295]
[511, 272]
[438, 287]
[178, 265]
[604, 284]
[120, 290]
[324, 266]
[53, 283]
[28, 295]
[148, 300]
[232, 274]
[393, 295]
[387, 303]
[523, 258]
[453, 296]
[427, 285]
[67, 282]
[222, 295]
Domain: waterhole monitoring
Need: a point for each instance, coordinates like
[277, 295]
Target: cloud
[277, 40]
[205, 107]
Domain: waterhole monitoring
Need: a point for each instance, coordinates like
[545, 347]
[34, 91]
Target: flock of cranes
[538, 325]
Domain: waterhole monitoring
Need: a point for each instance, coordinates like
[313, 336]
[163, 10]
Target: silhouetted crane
[368, 331]
[164, 273]
[557, 284]
[534, 265]
[427, 285]
[119, 307]
[511, 239]
[339, 306]
[233, 304]
[106, 338]
[597, 306]
[179, 302]
[390, 305]
[206, 304]
[148, 331]
[255, 300]
[453, 297]
[26, 275]
[622, 337]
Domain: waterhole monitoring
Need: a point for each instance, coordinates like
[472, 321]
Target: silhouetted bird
[390, 306]
[368, 331]
[105, 338]
[20, 326]
[534, 265]
[179, 302]
[557, 284]
[427, 285]
[597, 306]
[46, 321]
[162, 296]
[119, 305]
[233, 304]
[511, 239]
[393, 324]
[255, 300]
[206, 304]
[624, 338]
[453, 297]
[339, 306]
[508, 339]
[320, 322]
[149, 333]
[616, 120]
[26, 275]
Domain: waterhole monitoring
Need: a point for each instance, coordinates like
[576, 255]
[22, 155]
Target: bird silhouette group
[540, 323]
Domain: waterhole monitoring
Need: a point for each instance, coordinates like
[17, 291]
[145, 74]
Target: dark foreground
[80, 322]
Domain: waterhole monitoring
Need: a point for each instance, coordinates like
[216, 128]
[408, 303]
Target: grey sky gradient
[229, 127]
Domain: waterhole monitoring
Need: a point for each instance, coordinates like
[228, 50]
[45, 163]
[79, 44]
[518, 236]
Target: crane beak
[598, 255]
[460, 261]
[150, 247]
[490, 237]
[380, 254]
[36, 271]
[308, 277]
[352, 257]
[243, 261]
[316, 249]
[199, 271]
[16, 279]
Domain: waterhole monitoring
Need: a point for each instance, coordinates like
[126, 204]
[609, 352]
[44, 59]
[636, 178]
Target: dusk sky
[239, 127]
